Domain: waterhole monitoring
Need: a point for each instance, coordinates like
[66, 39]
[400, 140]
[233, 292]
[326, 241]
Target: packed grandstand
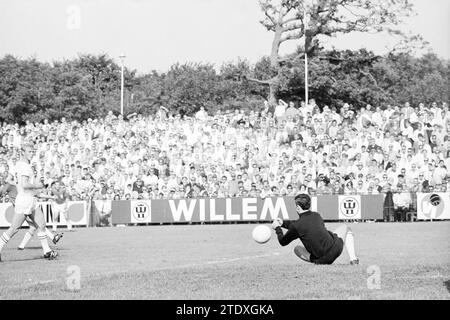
[235, 154]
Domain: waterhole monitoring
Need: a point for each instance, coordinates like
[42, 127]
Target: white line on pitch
[241, 258]
[190, 265]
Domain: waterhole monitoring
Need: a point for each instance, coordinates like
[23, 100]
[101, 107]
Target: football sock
[69, 224]
[350, 245]
[43, 238]
[4, 238]
[49, 234]
[26, 238]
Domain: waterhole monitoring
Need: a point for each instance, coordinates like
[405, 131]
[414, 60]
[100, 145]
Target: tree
[234, 94]
[324, 18]
[25, 89]
[405, 78]
[147, 93]
[104, 77]
[89, 86]
[187, 87]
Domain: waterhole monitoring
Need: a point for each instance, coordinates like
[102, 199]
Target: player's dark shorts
[333, 253]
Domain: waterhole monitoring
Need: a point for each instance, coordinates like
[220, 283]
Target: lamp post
[122, 57]
[306, 22]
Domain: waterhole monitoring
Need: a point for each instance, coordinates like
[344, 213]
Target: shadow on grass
[447, 285]
[40, 248]
[27, 259]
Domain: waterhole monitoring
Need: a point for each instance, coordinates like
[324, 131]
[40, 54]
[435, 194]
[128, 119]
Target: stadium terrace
[304, 148]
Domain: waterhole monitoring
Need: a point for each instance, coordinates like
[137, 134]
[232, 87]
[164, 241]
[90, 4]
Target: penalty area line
[242, 258]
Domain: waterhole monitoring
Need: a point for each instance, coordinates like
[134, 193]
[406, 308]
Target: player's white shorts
[25, 205]
[59, 208]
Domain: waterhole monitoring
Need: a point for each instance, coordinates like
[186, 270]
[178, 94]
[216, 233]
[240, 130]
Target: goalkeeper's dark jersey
[310, 229]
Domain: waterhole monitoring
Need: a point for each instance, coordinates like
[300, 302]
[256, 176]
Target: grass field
[223, 262]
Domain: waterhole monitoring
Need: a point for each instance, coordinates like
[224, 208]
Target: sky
[154, 34]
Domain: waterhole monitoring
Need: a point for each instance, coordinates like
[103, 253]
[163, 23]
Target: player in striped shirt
[60, 204]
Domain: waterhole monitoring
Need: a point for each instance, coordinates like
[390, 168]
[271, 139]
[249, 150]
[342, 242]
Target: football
[261, 234]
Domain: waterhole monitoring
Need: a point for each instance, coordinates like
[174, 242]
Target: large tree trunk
[276, 47]
[273, 94]
[275, 65]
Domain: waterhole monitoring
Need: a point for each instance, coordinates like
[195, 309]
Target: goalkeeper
[320, 245]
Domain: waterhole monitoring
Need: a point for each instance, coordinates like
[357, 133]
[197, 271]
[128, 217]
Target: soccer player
[320, 245]
[60, 204]
[9, 188]
[26, 204]
[33, 227]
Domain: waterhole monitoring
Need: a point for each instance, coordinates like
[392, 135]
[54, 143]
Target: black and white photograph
[225, 150]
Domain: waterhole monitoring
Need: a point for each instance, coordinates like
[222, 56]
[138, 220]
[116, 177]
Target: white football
[261, 234]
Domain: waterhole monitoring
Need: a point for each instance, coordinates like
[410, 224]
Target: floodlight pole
[122, 57]
[305, 21]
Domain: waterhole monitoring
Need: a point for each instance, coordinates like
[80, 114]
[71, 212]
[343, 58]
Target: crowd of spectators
[235, 154]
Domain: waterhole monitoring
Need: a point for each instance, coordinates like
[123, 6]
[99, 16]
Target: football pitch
[397, 261]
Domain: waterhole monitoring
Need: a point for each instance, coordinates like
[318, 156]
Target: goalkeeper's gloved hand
[277, 223]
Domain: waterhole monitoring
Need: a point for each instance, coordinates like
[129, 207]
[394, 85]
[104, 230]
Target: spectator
[292, 112]
[280, 110]
[402, 202]
[201, 114]
[371, 148]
